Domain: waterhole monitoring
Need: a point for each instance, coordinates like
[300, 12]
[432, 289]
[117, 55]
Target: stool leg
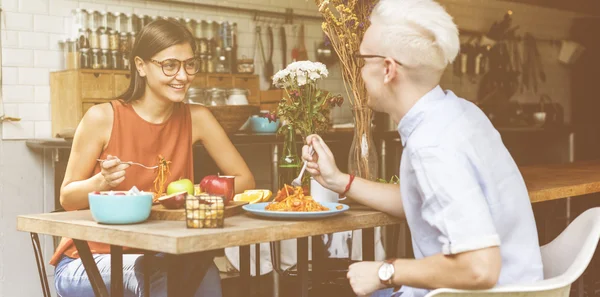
[39, 259]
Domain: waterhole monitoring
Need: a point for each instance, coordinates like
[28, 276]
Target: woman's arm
[90, 138]
[209, 132]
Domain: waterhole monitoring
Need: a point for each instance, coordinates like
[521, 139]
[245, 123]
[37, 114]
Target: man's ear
[390, 70]
[140, 66]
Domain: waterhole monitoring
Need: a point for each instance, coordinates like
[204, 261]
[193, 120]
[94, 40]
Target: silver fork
[298, 180]
[132, 163]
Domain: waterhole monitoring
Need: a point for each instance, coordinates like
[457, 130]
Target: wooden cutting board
[161, 213]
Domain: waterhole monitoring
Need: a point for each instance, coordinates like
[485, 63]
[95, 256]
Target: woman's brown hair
[152, 39]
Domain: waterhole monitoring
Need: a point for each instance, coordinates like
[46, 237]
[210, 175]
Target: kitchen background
[31, 30]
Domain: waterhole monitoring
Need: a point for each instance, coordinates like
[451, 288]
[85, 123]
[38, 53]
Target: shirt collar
[415, 115]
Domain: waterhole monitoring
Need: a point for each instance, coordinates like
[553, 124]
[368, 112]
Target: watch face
[386, 271]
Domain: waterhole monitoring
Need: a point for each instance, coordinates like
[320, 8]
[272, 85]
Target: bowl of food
[261, 124]
[120, 207]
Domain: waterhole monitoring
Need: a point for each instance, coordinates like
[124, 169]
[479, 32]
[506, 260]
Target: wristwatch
[386, 272]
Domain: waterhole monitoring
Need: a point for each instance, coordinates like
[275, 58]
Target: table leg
[318, 264]
[116, 271]
[194, 279]
[91, 268]
[148, 259]
[302, 250]
[174, 275]
[257, 268]
[368, 244]
[245, 270]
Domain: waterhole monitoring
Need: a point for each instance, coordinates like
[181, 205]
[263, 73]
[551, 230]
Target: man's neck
[406, 97]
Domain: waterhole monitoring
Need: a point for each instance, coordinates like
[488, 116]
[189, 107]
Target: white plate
[259, 210]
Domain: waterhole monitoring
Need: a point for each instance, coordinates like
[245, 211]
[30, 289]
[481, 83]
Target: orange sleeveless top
[134, 139]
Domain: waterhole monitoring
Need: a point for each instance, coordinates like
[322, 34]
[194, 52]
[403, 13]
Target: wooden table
[173, 238]
[547, 182]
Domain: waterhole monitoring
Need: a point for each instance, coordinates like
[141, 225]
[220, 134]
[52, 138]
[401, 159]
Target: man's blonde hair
[418, 33]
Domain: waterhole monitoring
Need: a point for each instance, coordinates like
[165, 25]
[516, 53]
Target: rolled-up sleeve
[453, 200]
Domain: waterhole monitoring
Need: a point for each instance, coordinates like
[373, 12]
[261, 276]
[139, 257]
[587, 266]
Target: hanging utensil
[283, 45]
[302, 53]
[269, 68]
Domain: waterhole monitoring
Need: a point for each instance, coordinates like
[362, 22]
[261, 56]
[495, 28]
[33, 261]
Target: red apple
[219, 185]
[174, 201]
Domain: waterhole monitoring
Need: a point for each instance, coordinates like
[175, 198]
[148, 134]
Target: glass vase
[289, 161]
[362, 158]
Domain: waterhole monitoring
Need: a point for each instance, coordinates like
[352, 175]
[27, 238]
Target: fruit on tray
[174, 201]
[219, 185]
[181, 185]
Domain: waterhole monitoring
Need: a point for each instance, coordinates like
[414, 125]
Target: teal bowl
[262, 125]
[120, 209]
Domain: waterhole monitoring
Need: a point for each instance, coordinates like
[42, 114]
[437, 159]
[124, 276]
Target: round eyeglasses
[170, 67]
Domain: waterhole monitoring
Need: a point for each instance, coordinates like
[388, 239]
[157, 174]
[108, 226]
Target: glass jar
[115, 60]
[104, 40]
[105, 59]
[93, 20]
[203, 64]
[113, 40]
[83, 41]
[124, 43]
[198, 29]
[94, 38]
[129, 22]
[196, 95]
[237, 96]
[216, 97]
[96, 63]
[80, 19]
[225, 35]
[71, 54]
[103, 20]
[125, 61]
[131, 39]
[85, 58]
[203, 46]
[234, 41]
[111, 23]
[210, 64]
[119, 22]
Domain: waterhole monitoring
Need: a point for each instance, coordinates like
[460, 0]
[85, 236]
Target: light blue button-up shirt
[461, 189]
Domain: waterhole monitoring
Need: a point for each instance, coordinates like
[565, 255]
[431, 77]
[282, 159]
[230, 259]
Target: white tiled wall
[32, 28]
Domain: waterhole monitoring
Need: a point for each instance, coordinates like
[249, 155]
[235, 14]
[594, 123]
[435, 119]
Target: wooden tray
[160, 213]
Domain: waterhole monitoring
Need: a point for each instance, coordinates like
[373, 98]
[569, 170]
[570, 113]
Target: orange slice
[250, 197]
[266, 194]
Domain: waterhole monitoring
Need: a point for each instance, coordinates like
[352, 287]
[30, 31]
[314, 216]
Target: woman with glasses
[148, 120]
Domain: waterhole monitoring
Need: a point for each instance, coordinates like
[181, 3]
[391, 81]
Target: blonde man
[460, 191]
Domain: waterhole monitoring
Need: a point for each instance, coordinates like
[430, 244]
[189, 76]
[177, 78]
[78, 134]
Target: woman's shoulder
[200, 113]
[99, 115]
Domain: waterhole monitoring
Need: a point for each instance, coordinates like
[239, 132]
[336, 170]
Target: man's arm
[380, 196]
[473, 270]
[322, 167]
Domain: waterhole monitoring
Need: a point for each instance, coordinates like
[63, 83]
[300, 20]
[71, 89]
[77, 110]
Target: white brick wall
[32, 28]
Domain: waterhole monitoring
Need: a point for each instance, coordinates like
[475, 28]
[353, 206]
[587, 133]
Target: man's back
[462, 190]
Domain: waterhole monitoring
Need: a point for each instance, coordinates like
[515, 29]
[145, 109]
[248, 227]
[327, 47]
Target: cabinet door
[86, 106]
[250, 83]
[97, 85]
[224, 81]
[121, 83]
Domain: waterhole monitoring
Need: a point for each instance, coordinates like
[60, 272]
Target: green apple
[180, 186]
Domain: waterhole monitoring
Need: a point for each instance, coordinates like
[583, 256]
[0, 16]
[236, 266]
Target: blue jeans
[71, 279]
[389, 292]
